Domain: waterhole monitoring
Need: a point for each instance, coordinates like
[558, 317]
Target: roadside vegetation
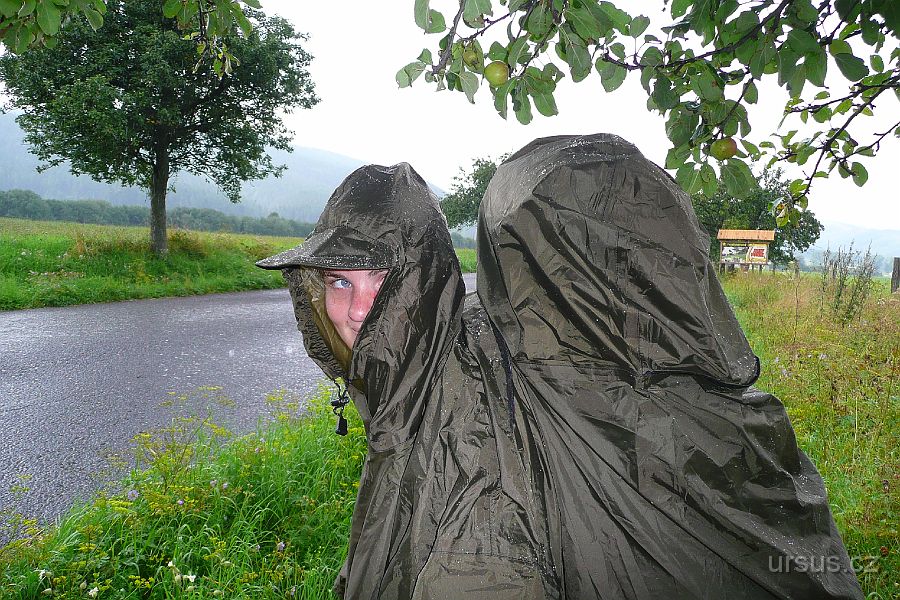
[267, 515]
[44, 263]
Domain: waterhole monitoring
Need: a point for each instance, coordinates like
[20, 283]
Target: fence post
[895, 277]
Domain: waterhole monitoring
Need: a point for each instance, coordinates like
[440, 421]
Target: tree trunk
[159, 182]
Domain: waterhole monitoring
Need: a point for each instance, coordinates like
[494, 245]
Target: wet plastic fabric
[584, 427]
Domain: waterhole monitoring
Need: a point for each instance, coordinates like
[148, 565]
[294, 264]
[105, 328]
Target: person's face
[349, 296]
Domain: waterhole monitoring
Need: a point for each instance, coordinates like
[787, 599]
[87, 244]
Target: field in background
[46, 263]
[49, 263]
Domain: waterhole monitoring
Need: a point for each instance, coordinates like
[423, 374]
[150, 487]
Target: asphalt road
[78, 383]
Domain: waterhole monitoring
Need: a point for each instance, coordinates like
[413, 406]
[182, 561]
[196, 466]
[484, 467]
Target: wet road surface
[78, 383]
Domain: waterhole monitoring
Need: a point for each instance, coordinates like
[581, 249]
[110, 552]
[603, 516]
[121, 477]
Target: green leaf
[617, 49]
[95, 19]
[738, 178]
[706, 87]
[585, 23]
[408, 74]
[24, 38]
[48, 18]
[638, 26]
[709, 183]
[497, 52]
[663, 94]
[545, 104]
[539, 21]
[816, 64]
[676, 156]
[430, 20]
[522, 107]
[870, 31]
[9, 8]
[27, 8]
[840, 47]
[751, 149]
[241, 19]
[860, 175]
[877, 63]
[787, 65]
[469, 83]
[437, 23]
[851, 66]
[751, 96]
[515, 51]
[679, 7]
[253, 4]
[420, 13]
[618, 17]
[652, 57]
[579, 60]
[501, 97]
[765, 54]
[171, 8]
[806, 12]
[611, 74]
[802, 42]
[681, 125]
[689, 178]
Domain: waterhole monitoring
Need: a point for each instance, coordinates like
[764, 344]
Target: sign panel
[745, 253]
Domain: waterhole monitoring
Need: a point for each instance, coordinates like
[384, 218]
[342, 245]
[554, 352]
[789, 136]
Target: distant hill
[300, 194]
[884, 244]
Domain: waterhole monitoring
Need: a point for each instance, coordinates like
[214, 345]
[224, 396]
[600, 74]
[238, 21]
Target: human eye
[337, 282]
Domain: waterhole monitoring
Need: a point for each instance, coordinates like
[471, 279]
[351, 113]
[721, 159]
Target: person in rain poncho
[582, 428]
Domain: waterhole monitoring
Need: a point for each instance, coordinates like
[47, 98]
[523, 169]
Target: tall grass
[58, 264]
[265, 516]
[840, 383]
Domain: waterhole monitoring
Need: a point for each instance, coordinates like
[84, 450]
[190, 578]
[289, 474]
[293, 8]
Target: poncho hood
[589, 252]
[381, 218]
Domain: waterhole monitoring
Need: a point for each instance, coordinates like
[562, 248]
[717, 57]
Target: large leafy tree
[700, 66]
[27, 23]
[129, 103]
[754, 210]
[460, 206]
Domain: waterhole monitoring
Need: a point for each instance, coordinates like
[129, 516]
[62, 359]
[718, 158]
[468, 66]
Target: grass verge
[50, 263]
[264, 516]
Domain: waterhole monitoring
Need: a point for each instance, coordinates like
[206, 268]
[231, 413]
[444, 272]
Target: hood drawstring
[337, 407]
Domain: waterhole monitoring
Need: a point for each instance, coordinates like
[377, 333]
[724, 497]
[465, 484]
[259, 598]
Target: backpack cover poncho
[582, 428]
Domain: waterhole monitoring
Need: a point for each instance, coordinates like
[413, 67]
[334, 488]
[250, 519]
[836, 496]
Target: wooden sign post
[895, 276]
[747, 248]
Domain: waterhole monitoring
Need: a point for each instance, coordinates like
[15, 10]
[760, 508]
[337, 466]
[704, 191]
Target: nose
[361, 302]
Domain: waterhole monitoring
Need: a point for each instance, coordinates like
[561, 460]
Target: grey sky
[363, 114]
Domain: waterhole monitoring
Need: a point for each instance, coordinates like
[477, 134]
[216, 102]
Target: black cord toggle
[337, 407]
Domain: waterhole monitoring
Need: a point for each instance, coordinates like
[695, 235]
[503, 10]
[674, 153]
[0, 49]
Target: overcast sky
[364, 115]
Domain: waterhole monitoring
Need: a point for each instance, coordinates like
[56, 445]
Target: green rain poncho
[582, 428]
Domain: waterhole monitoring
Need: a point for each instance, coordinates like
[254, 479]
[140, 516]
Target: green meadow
[208, 515]
[51, 263]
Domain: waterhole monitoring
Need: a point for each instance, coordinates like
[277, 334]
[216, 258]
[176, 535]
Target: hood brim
[340, 247]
